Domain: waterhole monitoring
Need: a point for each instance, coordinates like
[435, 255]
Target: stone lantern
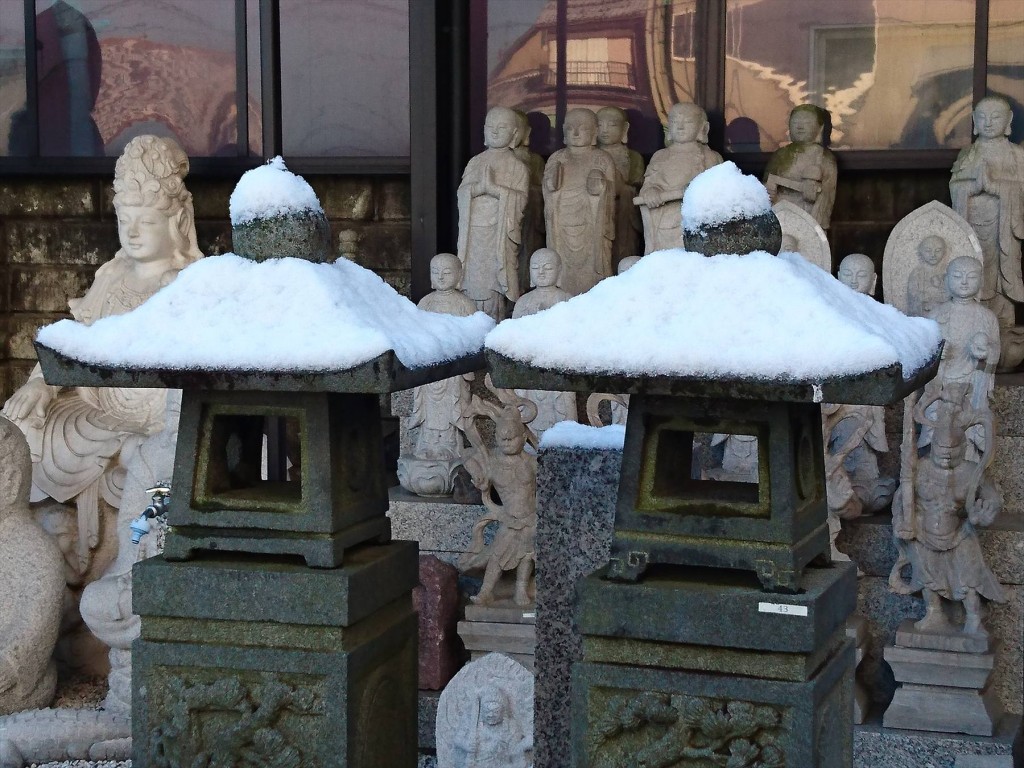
[716, 630]
[278, 625]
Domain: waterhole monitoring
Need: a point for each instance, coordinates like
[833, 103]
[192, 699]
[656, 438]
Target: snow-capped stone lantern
[718, 610]
[280, 605]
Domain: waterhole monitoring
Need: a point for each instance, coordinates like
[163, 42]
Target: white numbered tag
[782, 608]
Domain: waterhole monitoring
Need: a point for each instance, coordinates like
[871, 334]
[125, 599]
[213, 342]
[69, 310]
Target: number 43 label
[782, 608]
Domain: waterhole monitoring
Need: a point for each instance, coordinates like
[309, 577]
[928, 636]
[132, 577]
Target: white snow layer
[677, 313]
[720, 194]
[271, 190]
[571, 434]
[229, 313]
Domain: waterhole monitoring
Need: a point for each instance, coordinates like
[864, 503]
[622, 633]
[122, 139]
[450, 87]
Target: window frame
[211, 167]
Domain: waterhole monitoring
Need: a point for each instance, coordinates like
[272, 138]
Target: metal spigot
[161, 495]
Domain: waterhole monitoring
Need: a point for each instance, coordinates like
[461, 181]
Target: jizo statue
[492, 198]
[612, 134]
[579, 204]
[804, 171]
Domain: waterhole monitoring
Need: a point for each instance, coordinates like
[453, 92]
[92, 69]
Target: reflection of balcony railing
[611, 74]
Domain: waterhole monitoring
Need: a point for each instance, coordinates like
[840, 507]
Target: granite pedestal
[310, 667]
[700, 665]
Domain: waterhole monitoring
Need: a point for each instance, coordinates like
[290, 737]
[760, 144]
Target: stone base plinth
[500, 628]
[875, 746]
[697, 663]
[276, 663]
[945, 683]
[442, 527]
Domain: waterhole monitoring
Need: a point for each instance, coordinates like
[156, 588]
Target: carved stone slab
[811, 241]
[901, 257]
[485, 715]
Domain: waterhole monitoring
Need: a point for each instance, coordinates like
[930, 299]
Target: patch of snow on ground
[677, 313]
[270, 190]
[229, 313]
[720, 194]
[571, 434]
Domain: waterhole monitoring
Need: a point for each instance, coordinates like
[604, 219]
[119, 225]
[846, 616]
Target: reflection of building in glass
[893, 73]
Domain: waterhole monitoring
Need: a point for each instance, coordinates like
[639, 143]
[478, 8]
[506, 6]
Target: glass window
[110, 70]
[12, 77]
[894, 74]
[1006, 58]
[345, 78]
[631, 54]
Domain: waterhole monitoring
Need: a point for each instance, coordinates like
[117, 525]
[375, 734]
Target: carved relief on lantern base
[694, 668]
[285, 668]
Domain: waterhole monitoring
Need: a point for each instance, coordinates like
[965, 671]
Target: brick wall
[54, 233]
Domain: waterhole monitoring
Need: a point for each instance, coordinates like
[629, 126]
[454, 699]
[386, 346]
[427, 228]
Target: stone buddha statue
[926, 285]
[545, 271]
[987, 189]
[612, 134]
[804, 171]
[78, 436]
[671, 170]
[439, 408]
[857, 271]
[533, 215]
[31, 585]
[492, 198]
[579, 204]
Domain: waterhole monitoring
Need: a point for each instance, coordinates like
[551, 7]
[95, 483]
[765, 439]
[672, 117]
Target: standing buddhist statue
[670, 173]
[579, 204]
[492, 198]
[612, 134]
[804, 172]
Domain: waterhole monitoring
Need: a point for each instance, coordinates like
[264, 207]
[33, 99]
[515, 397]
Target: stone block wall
[55, 232]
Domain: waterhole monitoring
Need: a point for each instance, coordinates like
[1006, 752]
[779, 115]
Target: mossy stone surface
[742, 236]
[302, 234]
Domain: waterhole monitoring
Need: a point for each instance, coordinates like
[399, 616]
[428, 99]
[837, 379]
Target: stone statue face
[492, 707]
[500, 128]
[545, 266]
[947, 448]
[992, 118]
[611, 127]
[445, 272]
[145, 233]
[857, 272]
[803, 126]
[932, 250]
[685, 125]
[580, 129]
[963, 277]
[510, 437]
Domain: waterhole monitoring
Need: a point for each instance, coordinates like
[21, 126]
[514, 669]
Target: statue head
[687, 122]
[15, 468]
[545, 268]
[501, 128]
[932, 250]
[857, 271]
[992, 117]
[494, 706]
[509, 431]
[612, 126]
[963, 277]
[523, 124]
[155, 217]
[626, 263]
[580, 128]
[806, 124]
[445, 272]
